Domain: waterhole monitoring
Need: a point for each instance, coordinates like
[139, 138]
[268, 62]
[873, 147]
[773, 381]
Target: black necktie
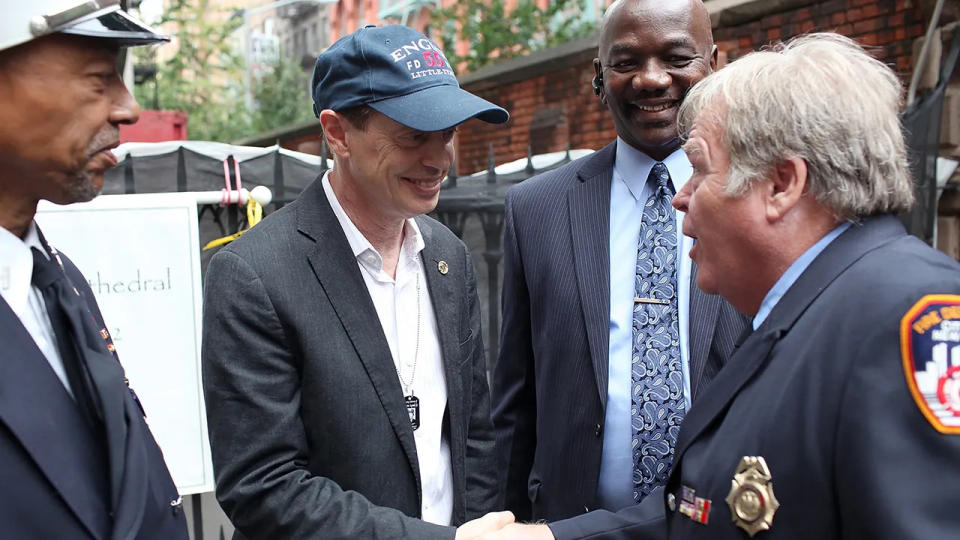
[66, 309]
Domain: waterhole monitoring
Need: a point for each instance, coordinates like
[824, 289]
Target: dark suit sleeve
[482, 490]
[258, 442]
[896, 475]
[644, 521]
[514, 390]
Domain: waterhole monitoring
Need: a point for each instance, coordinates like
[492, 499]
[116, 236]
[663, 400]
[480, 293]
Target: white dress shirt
[419, 364]
[26, 301]
[629, 192]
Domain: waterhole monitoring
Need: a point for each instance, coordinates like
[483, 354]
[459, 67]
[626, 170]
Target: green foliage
[282, 95]
[205, 77]
[494, 35]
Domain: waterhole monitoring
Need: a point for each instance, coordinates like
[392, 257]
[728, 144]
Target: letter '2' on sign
[433, 59]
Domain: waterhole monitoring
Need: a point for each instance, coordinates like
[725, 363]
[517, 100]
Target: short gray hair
[819, 97]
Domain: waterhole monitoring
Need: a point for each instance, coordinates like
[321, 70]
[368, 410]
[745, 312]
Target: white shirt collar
[32, 240]
[16, 268]
[362, 249]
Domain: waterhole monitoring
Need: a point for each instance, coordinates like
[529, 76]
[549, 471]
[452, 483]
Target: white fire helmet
[26, 20]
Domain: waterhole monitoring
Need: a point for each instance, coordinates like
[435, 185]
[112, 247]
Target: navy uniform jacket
[821, 393]
[52, 478]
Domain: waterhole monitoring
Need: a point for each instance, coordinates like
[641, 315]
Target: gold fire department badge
[751, 500]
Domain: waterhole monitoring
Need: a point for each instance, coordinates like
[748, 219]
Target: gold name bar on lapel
[638, 300]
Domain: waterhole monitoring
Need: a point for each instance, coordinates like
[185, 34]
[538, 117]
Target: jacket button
[599, 430]
[672, 502]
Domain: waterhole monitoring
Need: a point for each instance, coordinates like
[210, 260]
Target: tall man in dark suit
[606, 341]
[343, 361]
[838, 418]
[76, 457]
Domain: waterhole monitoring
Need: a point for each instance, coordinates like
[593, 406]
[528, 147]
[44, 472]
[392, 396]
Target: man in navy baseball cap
[400, 73]
[344, 330]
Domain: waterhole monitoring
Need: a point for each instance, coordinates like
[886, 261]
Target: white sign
[141, 256]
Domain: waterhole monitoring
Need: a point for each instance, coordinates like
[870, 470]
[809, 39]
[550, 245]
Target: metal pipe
[261, 194]
[922, 57]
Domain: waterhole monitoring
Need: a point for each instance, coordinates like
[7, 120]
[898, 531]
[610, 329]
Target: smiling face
[393, 172]
[651, 52]
[63, 102]
[728, 230]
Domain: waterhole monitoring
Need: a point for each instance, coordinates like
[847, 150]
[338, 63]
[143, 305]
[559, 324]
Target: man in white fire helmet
[76, 457]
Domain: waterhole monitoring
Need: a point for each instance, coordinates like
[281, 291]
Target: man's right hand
[494, 521]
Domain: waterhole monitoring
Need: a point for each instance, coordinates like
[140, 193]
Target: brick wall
[552, 105]
[562, 84]
[889, 25]
[557, 108]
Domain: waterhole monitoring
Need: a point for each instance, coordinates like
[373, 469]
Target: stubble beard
[86, 184]
[83, 187]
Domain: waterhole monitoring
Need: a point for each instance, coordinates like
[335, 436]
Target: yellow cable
[254, 212]
[254, 215]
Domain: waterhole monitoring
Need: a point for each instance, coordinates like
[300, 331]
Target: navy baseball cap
[400, 73]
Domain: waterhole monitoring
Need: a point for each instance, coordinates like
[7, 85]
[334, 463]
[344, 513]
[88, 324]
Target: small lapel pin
[442, 267]
[176, 505]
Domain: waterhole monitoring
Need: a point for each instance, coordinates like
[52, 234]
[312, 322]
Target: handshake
[501, 526]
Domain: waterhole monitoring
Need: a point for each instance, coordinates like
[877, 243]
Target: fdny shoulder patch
[930, 347]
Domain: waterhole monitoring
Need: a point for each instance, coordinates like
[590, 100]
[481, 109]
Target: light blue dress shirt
[793, 272]
[629, 192]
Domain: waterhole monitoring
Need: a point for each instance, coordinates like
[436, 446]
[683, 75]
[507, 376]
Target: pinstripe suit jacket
[550, 381]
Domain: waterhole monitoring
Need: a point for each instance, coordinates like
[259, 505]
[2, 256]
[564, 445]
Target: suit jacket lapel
[447, 302]
[334, 265]
[109, 387]
[107, 377]
[755, 351]
[588, 204]
[701, 322]
[37, 410]
[446, 308]
[132, 493]
[125, 442]
[741, 367]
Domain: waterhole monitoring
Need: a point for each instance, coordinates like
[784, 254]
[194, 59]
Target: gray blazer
[308, 430]
[550, 381]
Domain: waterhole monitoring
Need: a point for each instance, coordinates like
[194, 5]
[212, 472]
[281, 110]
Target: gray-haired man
[839, 416]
